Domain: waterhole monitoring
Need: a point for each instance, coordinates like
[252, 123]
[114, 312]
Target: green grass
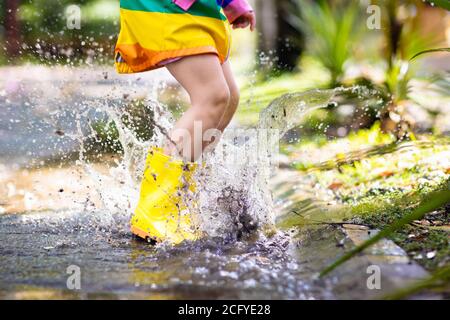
[430, 202]
[378, 183]
[257, 95]
[418, 238]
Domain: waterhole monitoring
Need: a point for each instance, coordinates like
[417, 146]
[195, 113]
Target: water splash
[285, 112]
[236, 198]
[233, 199]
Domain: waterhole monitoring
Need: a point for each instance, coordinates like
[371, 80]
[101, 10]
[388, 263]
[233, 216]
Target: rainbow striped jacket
[233, 9]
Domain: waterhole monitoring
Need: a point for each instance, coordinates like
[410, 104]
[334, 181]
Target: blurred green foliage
[45, 33]
[332, 29]
[47, 18]
[133, 116]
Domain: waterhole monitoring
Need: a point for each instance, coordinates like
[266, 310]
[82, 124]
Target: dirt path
[45, 189]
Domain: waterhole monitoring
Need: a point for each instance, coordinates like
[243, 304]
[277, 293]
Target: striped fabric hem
[147, 64]
[201, 8]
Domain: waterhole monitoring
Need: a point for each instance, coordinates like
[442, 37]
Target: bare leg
[234, 97]
[203, 78]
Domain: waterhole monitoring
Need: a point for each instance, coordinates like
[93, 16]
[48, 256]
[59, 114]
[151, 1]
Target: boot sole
[143, 235]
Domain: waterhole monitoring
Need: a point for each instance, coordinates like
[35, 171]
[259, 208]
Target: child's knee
[211, 102]
[213, 97]
[217, 102]
[220, 97]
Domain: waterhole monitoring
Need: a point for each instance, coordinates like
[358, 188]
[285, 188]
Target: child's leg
[234, 96]
[203, 78]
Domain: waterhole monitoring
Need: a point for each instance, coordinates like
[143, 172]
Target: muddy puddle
[39, 245]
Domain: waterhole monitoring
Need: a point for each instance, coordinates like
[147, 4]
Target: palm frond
[430, 51]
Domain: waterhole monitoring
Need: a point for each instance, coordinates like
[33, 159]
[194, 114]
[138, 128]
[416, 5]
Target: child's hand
[245, 20]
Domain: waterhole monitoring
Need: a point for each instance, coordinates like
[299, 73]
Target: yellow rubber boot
[161, 214]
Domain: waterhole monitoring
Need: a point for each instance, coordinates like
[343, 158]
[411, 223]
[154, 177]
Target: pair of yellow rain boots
[162, 214]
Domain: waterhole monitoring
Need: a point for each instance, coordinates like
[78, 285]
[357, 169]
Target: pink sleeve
[236, 8]
[184, 4]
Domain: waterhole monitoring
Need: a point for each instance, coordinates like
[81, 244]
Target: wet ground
[37, 254]
[38, 248]
[50, 220]
[116, 265]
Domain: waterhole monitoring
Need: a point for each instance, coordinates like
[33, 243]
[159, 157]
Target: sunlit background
[369, 157]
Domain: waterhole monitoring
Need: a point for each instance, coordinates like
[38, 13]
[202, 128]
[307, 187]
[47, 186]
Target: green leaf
[445, 4]
[434, 201]
[430, 51]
